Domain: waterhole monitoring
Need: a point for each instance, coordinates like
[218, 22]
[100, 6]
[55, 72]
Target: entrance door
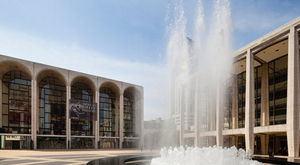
[15, 144]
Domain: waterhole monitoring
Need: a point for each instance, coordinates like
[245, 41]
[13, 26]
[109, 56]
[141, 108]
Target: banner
[80, 109]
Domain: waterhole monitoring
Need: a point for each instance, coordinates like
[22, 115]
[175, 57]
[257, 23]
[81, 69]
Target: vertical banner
[80, 109]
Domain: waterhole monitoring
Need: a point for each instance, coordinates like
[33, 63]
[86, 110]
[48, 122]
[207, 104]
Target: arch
[136, 92]
[85, 80]
[112, 86]
[50, 73]
[7, 66]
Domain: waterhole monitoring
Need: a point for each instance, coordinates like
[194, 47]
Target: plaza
[61, 157]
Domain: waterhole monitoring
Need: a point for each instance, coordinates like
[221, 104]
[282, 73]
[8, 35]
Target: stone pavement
[60, 157]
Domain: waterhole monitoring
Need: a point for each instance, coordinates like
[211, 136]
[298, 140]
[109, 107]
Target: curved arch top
[10, 65]
[112, 86]
[50, 73]
[84, 79]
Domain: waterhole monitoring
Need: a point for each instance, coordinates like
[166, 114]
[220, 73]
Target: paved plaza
[59, 157]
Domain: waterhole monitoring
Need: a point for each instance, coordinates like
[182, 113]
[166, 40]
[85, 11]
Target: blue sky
[118, 39]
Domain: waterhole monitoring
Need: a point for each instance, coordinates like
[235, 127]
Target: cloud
[74, 57]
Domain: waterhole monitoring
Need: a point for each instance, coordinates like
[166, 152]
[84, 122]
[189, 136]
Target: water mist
[199, 72]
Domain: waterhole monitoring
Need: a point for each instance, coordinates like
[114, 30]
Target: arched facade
[52, 110]
[109, 118]
[16, 112]
[36, 103]
[131, 104]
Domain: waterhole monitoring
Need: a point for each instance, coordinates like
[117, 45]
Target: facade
[261, 109]
[160, 133]
[45, 107]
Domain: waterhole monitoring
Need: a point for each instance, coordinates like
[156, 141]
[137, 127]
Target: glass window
[81, 91]
[51, 143]
[52, 107]
[278, 90]
[16, 102]
[241, 78]
[107, 113]
[129, 123]
[257, 92]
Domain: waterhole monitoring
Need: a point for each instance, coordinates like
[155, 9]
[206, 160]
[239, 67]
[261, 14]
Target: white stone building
[261, 111]
[35, 108]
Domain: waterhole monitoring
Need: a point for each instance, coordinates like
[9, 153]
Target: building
[45, 107]
[261, 110]
[160, 133]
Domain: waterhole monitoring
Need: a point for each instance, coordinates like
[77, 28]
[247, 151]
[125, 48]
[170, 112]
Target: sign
[14, 138]
[80, 109]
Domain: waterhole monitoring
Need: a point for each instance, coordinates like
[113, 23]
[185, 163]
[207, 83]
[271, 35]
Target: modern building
[160, 133]
[45, 107]
[262, 109]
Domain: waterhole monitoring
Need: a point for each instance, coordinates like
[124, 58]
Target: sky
[124, 40]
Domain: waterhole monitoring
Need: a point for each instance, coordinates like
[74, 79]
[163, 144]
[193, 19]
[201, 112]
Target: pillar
[1, 103]
[249, 107]
[68, 120]
[264, 144]
[264, 117]
[117, 116]
[211, 141]
[96, 128]
[33, 113]
[121, 134]
[292, 114]
[182, 119]
[197, 114]
[142, 119]
[234, 141]
[235, 103]
[219, 116]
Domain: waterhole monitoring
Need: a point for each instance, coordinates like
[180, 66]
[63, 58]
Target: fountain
[207, 57]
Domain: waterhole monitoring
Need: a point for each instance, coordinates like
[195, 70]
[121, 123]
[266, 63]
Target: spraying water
[200, 69]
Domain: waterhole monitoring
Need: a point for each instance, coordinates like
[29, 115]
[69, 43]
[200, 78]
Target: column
[1, 103]
[197, 118]
[211, 111]
[235, 102]
[182, 119]
[264, 144]
[211, 141]
[33, 113]
[220, 116]
[97, 121]
[68, 120]
[249, 107]
[292, 114]
[121, 134]
[142, 120]
[117, 117]
[235, 141]
[264, 117]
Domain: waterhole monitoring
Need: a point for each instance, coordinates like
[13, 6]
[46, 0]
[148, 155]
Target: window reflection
[16, 102]
[128, 114]
[52, 110]
[107, 112]
[81, 91]
[278, 90]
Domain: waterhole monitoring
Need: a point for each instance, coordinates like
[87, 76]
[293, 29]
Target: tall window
[52, 110]
[241, 78]
[81, 91]
[278, 90]
[16, 102]
[228, 108]
[257, 88]
[128, 114]
[107, 112]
